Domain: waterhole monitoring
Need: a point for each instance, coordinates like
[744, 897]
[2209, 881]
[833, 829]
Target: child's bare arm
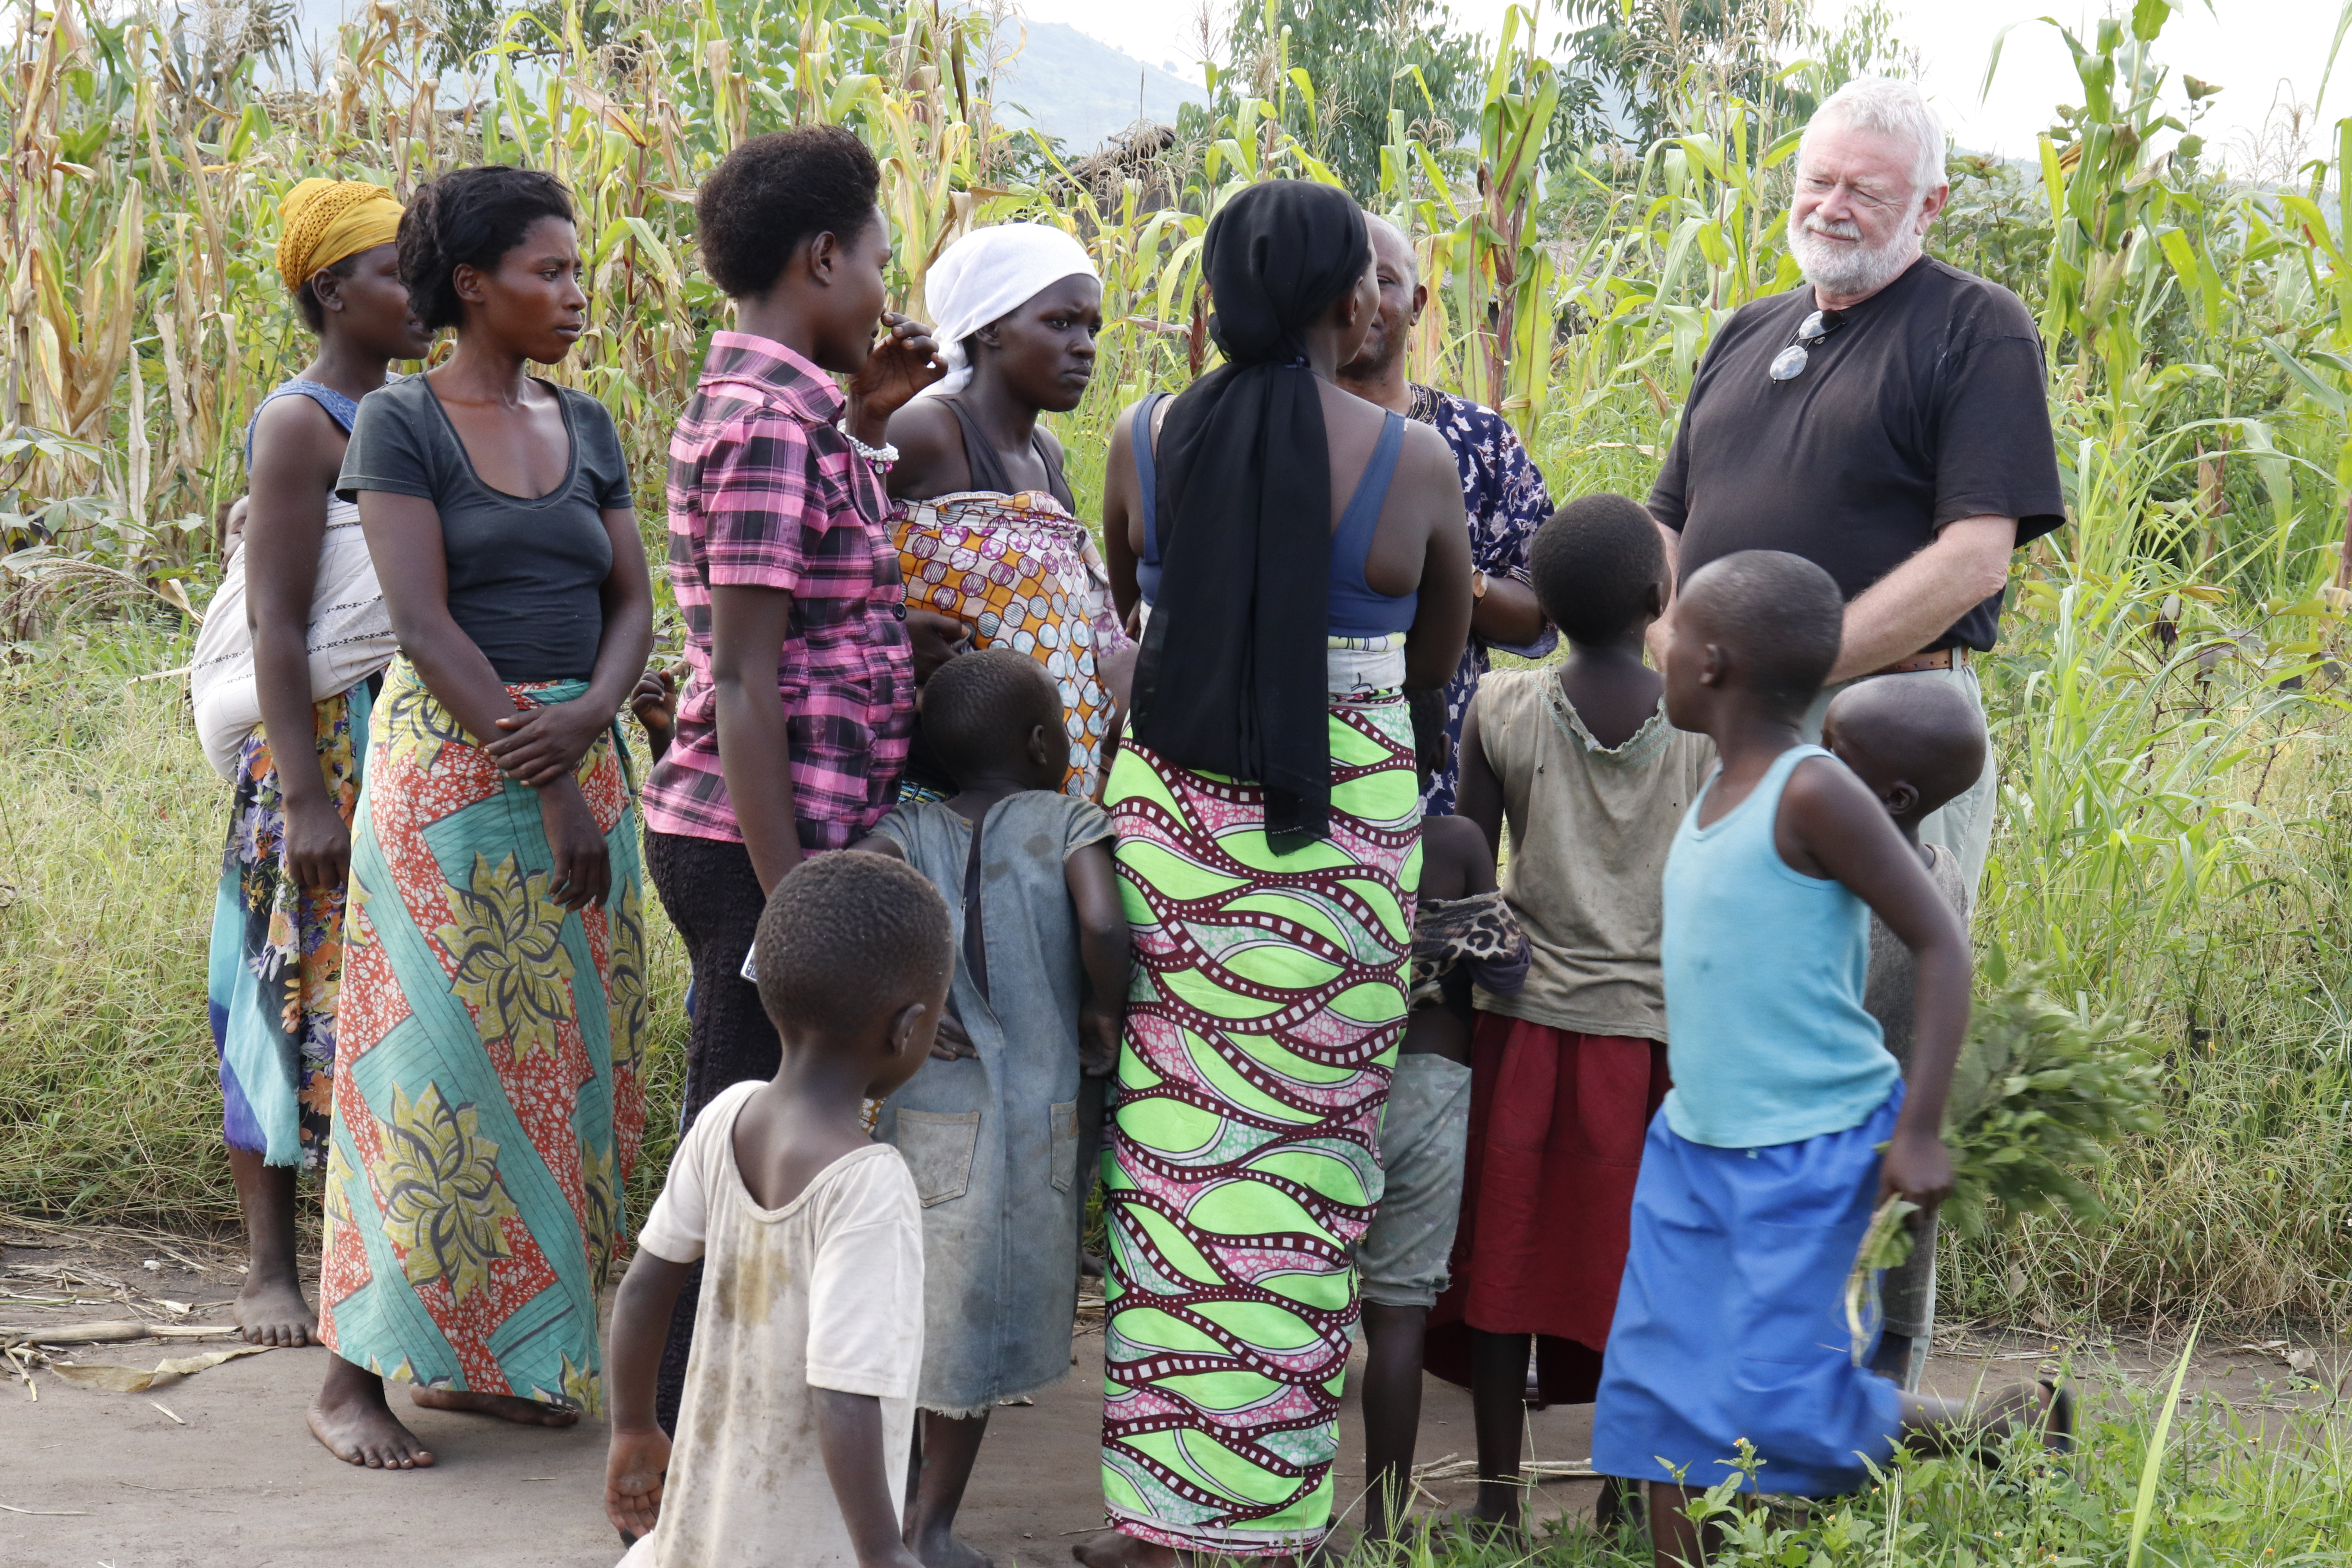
[1103, 946]
[655, 702]
[639, 1454]
[849, 1434]
[1479, 794]
[1456, 860]
[1840, 827]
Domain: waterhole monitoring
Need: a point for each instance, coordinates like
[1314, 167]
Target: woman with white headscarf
[988, 532]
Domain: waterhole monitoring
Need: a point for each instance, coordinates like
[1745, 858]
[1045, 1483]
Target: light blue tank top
[1356, 608]
[1767, 1038]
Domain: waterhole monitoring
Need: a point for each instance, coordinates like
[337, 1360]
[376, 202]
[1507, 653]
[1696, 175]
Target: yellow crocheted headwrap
[326, 220]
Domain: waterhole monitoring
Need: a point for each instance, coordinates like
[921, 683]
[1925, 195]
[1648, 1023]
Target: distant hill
[1066, 84]
[1083, 90]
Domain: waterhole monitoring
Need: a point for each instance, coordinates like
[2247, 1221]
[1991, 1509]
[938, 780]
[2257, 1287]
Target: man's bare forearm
[1918, 601]
[1654, 639]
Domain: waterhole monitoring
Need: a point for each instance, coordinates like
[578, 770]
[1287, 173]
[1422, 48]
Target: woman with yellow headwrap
[292, 649]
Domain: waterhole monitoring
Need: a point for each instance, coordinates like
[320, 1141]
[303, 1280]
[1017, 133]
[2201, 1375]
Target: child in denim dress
[990, 1125]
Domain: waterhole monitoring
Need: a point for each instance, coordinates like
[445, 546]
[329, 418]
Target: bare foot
[506, 1406]
[270, 1310]
[351, 1419]
[945, 1550]
[1117, 1549]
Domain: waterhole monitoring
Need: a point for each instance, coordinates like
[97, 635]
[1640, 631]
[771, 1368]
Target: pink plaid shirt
[764, 492]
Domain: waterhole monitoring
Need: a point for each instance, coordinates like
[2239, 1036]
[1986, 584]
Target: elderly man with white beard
[1887, 420]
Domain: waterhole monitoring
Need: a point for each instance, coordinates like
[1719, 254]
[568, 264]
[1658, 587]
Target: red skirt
[1557, 1121]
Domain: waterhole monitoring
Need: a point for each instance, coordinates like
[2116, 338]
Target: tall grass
[112, 828]
[2160, 1477]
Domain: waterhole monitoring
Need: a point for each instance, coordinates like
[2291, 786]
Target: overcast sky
[2261, 51]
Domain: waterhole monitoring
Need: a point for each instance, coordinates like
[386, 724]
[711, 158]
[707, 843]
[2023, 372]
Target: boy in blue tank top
[1762, 1168]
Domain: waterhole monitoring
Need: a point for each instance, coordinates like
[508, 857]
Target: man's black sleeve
[1994, 453]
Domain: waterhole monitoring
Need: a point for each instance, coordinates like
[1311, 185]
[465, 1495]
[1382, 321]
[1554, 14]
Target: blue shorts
[1731, 1320]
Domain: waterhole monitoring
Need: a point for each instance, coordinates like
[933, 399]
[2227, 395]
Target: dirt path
[217, 1468]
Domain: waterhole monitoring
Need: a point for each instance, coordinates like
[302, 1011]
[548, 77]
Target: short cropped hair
[306, 298]
[469, 217]
[978, 709]
[1890, 107]
[1780, 616]
[1924, 729]
[773, 193]
[1593, 563]
[847, 934]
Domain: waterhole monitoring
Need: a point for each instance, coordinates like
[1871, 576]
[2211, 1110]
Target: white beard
[1848, 271]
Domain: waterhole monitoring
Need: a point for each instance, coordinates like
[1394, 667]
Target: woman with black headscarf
[1304, 561]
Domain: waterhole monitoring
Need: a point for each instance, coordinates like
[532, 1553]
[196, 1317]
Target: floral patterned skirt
[277, 950]
[487, 1105]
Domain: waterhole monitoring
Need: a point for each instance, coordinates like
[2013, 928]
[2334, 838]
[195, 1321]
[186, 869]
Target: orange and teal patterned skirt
[487, 1103]
[1268, 998]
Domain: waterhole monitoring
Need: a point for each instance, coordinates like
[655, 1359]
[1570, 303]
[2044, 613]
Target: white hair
[1890, 107]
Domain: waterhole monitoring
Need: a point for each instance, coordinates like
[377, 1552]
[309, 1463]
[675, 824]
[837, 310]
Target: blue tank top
[1356, 608]
[340, 409]
[1767, 1038]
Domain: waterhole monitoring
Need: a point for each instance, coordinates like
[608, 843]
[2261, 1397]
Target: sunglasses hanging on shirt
[1789, 363]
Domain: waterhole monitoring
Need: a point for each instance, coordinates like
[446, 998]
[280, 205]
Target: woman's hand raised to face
[903, 360]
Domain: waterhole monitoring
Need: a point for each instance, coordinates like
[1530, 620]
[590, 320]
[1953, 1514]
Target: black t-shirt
[1929, 403]
[525, 577]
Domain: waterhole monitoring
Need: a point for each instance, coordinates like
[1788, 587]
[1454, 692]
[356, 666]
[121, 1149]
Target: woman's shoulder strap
[983, 470]
[1147, 468]
[1363, 508]
[343, 410]
[340, 408]
[1049, 453]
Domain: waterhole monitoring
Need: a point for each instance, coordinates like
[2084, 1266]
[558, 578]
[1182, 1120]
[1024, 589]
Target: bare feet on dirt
[505, 1406]
[946, 1551]
[358, 1429]
[270, 1310]
[1117, 1549]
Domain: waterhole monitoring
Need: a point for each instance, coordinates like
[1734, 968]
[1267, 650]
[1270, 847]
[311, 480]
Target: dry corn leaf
[132, 1380]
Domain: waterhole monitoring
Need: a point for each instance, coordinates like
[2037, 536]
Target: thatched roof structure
[1139, 152]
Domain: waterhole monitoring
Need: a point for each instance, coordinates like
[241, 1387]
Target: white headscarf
[988, 274]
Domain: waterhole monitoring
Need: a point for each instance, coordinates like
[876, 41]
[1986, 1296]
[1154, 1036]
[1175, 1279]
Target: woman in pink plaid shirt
[780, 556]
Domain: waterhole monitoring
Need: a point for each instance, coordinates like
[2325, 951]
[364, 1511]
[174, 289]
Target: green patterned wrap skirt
[1269, 996]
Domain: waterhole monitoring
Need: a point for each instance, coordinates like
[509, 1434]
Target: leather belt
[1941, 658]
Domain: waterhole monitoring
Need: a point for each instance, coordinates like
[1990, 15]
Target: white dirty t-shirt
[824, 1292]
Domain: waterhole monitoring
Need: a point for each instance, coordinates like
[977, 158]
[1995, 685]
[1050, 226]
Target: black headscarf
[1231, 676]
